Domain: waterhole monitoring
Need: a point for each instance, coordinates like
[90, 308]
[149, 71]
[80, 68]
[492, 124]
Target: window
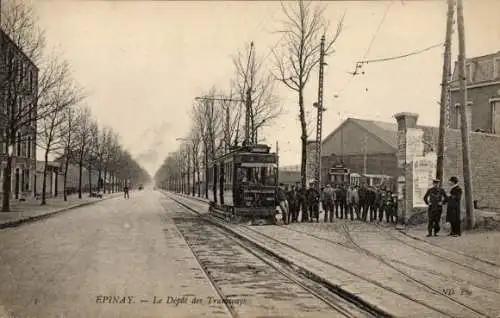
[18, 144]
[469, 69]
[496, 67]
[495, 110]
[29, 147]
[265, 176]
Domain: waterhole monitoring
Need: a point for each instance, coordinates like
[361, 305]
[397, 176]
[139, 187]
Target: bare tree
[26, 90]
[50, 133]
[83, 135]
[92, 152]
[302, 27]
[69, 143]
[251, 73]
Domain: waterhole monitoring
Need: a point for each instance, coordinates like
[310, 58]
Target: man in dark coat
[453, 207]
[435, 197]
[292, 204]
[370, 201]
[313, 198]
[363, 202]
[302, 202]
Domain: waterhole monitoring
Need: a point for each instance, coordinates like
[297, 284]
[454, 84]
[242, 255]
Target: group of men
[341, 201]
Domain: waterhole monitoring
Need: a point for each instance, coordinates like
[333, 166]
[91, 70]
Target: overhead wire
[367, 51]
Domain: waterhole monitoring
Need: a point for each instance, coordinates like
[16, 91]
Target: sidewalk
[31, 210]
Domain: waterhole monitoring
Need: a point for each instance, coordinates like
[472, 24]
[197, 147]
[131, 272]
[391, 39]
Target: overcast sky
[143, 62]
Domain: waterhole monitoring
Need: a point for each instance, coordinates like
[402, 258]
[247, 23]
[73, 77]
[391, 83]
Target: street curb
[36, 218]
[327, 283]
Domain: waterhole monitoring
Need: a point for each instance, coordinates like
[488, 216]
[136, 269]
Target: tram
[242, 185]
[342, 175]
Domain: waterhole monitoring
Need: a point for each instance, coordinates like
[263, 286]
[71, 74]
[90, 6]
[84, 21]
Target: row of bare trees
[217, 122]
[40, 108]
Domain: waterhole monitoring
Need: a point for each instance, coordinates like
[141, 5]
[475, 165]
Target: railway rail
[350, 244]
[237, 269]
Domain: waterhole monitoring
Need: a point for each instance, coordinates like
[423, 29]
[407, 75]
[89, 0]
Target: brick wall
[485, 161]
[481, 107]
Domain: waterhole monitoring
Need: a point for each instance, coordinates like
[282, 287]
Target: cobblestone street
[401, 272]
[69, 265]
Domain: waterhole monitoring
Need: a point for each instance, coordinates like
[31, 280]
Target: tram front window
[265, 176]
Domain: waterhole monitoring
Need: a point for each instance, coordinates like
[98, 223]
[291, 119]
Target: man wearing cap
[328, 199]
[435, 197]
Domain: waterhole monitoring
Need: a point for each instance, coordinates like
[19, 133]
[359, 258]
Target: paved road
[68, 265]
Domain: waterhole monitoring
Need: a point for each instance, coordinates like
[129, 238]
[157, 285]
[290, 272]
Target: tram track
[345, 227]
[298, 279]
[356, 246]
[351, 244]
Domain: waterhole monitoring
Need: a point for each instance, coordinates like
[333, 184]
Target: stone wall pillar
[407, 147]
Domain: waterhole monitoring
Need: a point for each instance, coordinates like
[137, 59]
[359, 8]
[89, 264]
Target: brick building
[483, 94]
[19, 79]
[366, 147]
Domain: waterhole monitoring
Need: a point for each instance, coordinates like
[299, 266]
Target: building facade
[18, 96]
[483, 94]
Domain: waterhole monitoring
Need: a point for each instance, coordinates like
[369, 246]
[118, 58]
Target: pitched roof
[483, 69]
[388, 132]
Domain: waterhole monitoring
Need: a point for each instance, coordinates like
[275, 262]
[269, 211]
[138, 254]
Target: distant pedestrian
[453, 207]
[435, 197]
[125, 192]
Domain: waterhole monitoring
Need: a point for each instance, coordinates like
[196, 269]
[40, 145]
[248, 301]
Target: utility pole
[365, 145]
[248, 97]
[319, 106]
[248, 107]
[463, 118]
[445, 82]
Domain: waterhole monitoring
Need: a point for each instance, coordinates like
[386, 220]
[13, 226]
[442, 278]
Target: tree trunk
[303, 139]
[7, 184]
[66, 180]
[99, 177]
[90, 180]
[105, 184]
[80, 175]
[206, 172]
[44, 180]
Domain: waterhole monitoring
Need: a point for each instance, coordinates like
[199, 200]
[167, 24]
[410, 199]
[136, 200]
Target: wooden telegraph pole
[444, 102]
[321, 109]
[463, 118]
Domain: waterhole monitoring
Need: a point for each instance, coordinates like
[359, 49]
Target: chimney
[406, 120]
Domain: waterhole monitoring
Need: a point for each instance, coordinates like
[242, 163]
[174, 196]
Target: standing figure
[453, 207]
[337, 202]
[370, 201]
[363, 202]
[434, 198]
[351, 202]
[381, 206]
[313, 198]
[328, 199]
[283, 203]
[376, 203]
[302, 200]
[390, 208]
[125, 192]
[343, 200]
[292, 205]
